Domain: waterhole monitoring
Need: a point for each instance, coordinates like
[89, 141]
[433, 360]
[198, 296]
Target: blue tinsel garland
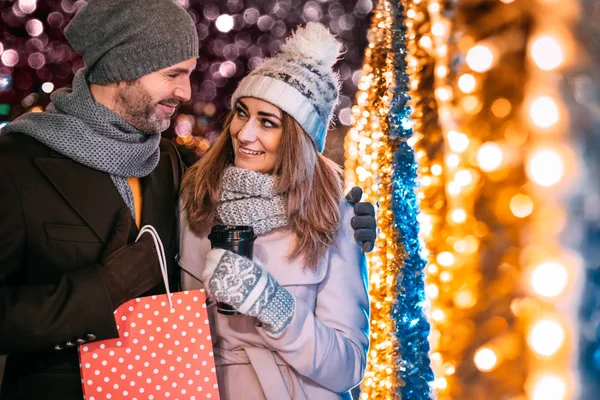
[409, 312]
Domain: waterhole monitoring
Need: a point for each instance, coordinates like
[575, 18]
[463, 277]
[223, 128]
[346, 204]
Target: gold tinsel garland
[486, 220]
[369, 154]
[429, 150]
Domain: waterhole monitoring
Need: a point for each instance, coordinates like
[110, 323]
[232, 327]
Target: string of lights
[552, 270]
[367, 163]
[502, 223]
[379, 158]
[444, 193]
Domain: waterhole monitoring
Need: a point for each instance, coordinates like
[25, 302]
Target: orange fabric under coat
[136, 190]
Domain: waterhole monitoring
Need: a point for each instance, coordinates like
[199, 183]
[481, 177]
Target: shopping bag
[164, 349]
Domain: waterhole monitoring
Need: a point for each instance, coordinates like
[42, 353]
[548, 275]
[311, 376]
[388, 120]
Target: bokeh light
[549, 387]
[544, 112]
[458, 141]
[521, 205]
[545, 167]
[480, 58]
[34, 27]
[47, 87]
[26, 6]
[224, 23]
[546, 337]
[485, 359]
[547, 53]
[489, 157]
[467, 83]
[549, 279]
[10, 58]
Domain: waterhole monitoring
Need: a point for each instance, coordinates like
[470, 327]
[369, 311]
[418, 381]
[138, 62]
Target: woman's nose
[248, 132]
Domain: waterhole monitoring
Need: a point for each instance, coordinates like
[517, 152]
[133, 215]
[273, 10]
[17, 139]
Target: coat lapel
[158, 200]
[80, 186]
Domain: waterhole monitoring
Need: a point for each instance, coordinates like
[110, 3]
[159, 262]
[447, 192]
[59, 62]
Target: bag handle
[162, 259]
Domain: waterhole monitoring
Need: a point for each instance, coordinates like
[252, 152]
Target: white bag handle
[162, 259]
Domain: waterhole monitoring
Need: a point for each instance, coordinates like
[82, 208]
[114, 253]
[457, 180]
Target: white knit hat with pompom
[300, 80]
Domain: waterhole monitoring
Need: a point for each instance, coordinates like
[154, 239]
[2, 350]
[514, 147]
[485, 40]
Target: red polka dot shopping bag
[164, 349]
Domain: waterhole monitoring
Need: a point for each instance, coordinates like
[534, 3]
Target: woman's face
[256, 133]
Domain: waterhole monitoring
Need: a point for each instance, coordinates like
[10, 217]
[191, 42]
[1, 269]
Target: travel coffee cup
[237, 239]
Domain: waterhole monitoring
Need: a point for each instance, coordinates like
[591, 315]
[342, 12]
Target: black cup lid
[231, 232]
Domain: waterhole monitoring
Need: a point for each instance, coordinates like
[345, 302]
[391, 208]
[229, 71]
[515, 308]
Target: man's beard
[135, 105]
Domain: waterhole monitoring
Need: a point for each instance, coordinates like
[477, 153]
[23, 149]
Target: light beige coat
[322, 354]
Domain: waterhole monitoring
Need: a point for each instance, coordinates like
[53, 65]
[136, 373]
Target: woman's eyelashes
[265, 122]
[240, 112]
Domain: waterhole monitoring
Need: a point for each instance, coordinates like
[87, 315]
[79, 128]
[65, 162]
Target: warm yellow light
[485, 359]
[442, 50]
[467, 83]
[460, 246]
[452, 160]
[489, 156]
[549, 279]
[458, 215]
[549, 387]
[546, 337]
[472, 244]
[440, 383]
[458, 141]
[437, 315]
[445, 258]
[545, 167]
[453, 189]
[464, 299]
[543, 111]
[501, 107]
[436, 169]
[480, 58]
[432, 291]
[463, 177]
[434, 7]
[445, 276]
[521, 205]
[441, 71]
[425, 42]
[432, 269]
[438, 29]
[547, 53]
[443, 93]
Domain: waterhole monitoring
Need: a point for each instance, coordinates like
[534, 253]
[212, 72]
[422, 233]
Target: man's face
[149, 102]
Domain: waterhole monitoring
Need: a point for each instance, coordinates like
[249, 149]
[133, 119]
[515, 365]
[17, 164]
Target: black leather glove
[363, 222]
[129, 270]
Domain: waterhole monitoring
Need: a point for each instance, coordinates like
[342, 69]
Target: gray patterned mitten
[249, 289]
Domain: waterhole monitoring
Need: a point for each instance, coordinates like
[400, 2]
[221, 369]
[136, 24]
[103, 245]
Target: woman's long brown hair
[313, 184]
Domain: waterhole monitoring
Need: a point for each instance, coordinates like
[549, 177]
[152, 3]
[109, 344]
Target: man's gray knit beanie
[122, 40]
[300, 80]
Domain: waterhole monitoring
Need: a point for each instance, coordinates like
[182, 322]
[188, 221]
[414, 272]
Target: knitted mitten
[249, 289]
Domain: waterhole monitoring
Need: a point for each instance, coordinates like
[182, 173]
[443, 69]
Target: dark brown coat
[56, 216]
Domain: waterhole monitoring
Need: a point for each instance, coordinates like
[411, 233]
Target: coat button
[90, 337]
[80, 341]
[57, 347]
[69, 344]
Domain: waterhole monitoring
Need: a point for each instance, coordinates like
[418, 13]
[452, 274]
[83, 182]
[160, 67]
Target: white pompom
[314, 41]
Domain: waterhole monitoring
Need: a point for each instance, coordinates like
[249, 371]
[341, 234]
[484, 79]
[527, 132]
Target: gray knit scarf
[250, 198]
[80, 128]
